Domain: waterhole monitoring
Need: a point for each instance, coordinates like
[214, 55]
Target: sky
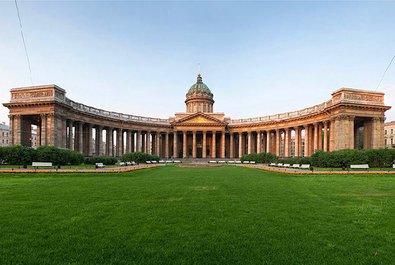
[140, 58]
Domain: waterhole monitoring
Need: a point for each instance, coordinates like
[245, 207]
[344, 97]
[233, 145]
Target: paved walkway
[77, 170]
[309, 172]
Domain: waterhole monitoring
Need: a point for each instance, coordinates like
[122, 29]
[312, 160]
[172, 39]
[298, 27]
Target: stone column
[128, 141]
[268, 143]
[38, 136]
[297, 142]
[81, 137]
[325, 136]
[184, 144]
[157, 144]
[344, 132]
[64, 133]
[175, 147]
[287, 142]
[332, 125]
[249, 144]
[51, 130]
[214, 146]
[99, 137]
[223, 144]
[194, 144]
[306, 140]
[258, 142]
[320, 145]
[109, 141]
[315, 141]
[43, 129]
[240, 144]
[70, 138]
[367, 134]
[149, 143]
[231, 147]
[204, 145]
[139, 141]
[167, 145]
[90, 140]
[278, 142]
[119, 143]
[377, 132]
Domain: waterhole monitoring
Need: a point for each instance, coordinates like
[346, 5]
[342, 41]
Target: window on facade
[3, 134]
[204, 108]
[385, 131]
[392, 131]
[385, 141]
[198, 108]
[392, 141]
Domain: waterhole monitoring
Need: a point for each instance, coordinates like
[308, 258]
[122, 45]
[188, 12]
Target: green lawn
[174, 215]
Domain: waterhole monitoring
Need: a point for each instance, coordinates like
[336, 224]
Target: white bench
[162, 161]
[246, 162]
[212, 162]
[252, 162]
[295, 166]
[122, 164]
[222, 162]
[177, 161]
[169, 161]
[148, 162]
[231, 162]
[305, 166]
[42, 164]
[154, 161]
[280, 164]
[272, 164]
[393, 166]
[238, 162]
[361, 166]
[99, 165]
[286, 165]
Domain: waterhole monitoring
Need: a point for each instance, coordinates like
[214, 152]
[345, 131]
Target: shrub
[138, 157]
[259, 158]
[106, 160]
[17, 155]
[58, 156]
[21, 155]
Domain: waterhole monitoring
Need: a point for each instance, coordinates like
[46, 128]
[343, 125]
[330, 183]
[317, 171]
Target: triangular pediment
[199, 118]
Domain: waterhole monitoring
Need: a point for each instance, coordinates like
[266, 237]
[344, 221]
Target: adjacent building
[4, 134]
[351, 118]
[389, 134]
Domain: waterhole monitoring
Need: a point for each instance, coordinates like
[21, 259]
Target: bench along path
[79, 170]
[290, 170]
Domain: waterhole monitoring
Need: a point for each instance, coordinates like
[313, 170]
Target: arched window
[204, 108]
[198, 108]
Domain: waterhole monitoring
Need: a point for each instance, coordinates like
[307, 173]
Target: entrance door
[199, 152]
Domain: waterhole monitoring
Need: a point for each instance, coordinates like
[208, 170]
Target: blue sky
[258, 58]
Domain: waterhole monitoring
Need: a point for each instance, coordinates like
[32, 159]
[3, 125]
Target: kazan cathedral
[350, 118]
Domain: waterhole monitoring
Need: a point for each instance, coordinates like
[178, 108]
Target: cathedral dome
[199, 97]
[199, 88]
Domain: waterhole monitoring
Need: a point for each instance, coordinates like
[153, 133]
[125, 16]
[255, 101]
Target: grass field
[174, 215]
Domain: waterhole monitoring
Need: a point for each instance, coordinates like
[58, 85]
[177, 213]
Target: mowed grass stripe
[174, 215]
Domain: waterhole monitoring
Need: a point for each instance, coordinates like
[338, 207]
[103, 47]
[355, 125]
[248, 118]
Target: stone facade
[350, 119]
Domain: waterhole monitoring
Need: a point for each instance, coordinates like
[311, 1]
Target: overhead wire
[382, 78]
[24, 42]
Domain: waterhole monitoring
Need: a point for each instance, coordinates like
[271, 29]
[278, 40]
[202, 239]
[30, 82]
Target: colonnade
[341, 132]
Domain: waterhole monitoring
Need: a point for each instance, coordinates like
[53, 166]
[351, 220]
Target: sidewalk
[78, 170]
[310, 172]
